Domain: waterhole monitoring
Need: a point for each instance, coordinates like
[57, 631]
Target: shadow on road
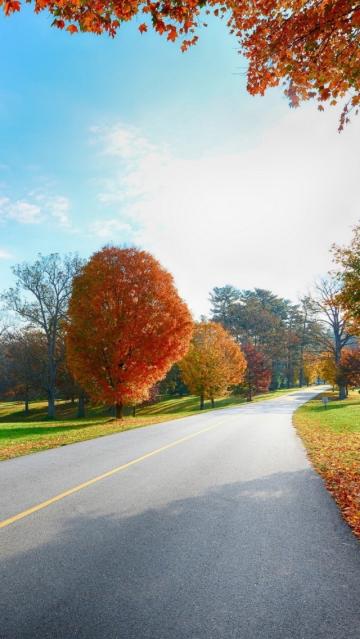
[238, 562]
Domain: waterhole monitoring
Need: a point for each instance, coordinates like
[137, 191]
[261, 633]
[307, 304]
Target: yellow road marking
[85, 484]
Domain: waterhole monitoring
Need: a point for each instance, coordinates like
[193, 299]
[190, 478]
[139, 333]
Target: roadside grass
[332, 438]
[21, 434]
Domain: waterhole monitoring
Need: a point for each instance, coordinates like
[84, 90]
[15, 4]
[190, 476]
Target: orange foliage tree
[312, 48]
[214, 362]
[348, 258]
[312, 367]
[127, 326]
[327, 368]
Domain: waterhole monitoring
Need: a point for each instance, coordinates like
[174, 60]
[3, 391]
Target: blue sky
[130, 141]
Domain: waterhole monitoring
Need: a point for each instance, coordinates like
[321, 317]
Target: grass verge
[21, 434]
[332, 438]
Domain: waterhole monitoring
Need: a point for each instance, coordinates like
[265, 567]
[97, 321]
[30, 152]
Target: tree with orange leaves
[328, 369]
[127, 326]
[312, 367]
[311, 48]
[348, 258]
[213, 363]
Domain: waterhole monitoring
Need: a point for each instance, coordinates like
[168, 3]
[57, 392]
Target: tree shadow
[170, 407]
[340, 404]
[263, 559]
[16, 433]
[65, 411]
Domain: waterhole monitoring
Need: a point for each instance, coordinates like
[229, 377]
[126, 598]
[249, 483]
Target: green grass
[21, 434]
[340, 416]
[332, 438]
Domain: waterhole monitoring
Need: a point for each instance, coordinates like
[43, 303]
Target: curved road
[217, 529]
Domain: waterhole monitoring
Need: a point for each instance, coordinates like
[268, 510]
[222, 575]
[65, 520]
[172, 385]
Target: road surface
[210, 527]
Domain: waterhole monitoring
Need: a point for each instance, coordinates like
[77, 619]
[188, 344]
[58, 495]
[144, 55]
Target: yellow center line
[85, 484]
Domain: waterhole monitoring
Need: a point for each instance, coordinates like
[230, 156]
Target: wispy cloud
[56, 207]
[36, 208]
[5, 255]
[110, 229]
[263, 216]
[123, 141]
[21, 211]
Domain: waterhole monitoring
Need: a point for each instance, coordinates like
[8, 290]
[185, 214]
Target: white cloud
[126, 142]
[5, 255]
[55, 206]
[20, 210]
[264, 216]
[110, 229]
[37, 208]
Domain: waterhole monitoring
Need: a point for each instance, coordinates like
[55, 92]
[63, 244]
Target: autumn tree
[213, 363]
[311, 367]
[310, 334]
[310, 48]
[349, 369]
[331, 314]
[40, 298]
[145, 397]
[328, 370]
[127, 326]
[348, 258]
[258, 374]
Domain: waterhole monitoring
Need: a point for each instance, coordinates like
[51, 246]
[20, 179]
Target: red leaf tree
[127, 326]
[258, 374]
[349, 368]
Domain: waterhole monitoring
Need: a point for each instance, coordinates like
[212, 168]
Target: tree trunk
[249, 394]
[26, 400]
[342, 391]
[301, 371]
[301, 378]
[119, 410]
[134, 411]
[51, 403]
[81, 406]
[202, 401]
[52, 378]
[212, 402]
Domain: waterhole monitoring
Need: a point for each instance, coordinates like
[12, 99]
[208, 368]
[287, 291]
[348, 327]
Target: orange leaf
[11, 6]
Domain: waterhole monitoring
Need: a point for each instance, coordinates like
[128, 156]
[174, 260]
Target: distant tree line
[275, 333]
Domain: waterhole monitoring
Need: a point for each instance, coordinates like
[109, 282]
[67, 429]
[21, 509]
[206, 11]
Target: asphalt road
[228, 534]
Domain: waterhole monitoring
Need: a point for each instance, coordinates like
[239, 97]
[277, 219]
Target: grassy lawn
[332, 438]
[21, 434]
